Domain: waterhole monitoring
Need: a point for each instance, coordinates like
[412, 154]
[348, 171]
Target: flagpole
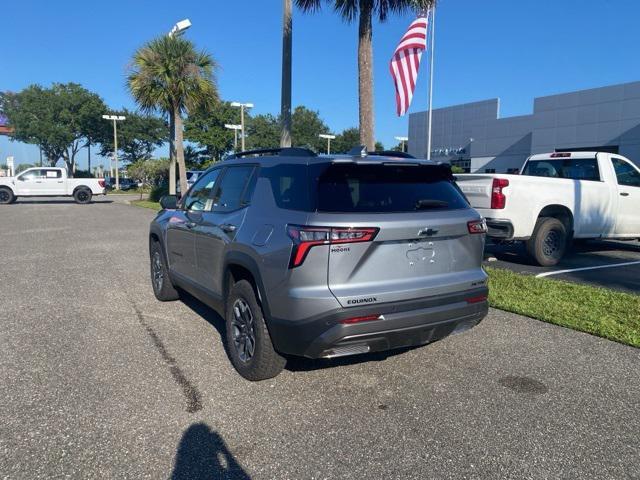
[433, 37]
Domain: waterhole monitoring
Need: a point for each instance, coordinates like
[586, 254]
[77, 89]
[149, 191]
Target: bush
[158, 192]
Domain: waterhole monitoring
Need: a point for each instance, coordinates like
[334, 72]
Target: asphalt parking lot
[99, 380]
[606, 263]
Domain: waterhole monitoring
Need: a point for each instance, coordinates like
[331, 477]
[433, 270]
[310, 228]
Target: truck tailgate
[477, 188]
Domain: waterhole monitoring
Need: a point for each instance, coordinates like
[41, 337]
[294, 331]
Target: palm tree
[365, 11]
[285, 101]
[169, 75]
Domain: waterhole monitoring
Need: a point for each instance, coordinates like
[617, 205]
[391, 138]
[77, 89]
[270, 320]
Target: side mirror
[169, 202]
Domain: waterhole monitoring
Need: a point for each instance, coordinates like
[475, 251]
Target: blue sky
[514, 50]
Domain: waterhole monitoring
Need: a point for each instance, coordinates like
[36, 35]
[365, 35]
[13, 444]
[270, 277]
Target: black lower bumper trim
[403, 324]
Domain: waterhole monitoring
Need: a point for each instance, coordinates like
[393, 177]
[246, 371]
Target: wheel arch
[8, 187]
[82, 187]
[562, 213]
[240, 266]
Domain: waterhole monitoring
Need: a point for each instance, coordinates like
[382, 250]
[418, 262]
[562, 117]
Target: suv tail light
[101, 183]
[304, 238]
[498, 199]
[477, 226]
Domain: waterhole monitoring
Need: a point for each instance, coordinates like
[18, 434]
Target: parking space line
[558, 272]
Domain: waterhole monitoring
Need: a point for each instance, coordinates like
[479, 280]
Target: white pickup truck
[49, 182]
[558, 197]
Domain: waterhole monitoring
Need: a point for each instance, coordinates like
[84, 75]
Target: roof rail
[282, 152]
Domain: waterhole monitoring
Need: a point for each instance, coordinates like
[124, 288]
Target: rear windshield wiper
[426, 204]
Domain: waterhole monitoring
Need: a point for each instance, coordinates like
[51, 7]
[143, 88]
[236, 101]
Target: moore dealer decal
[356, 301]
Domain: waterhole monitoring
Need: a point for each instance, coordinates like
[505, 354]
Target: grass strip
[606, 313]
[146, 204]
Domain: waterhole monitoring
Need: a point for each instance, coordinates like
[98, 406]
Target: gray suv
[323, 256]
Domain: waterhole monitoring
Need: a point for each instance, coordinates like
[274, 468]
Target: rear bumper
[502, 229]
[402, 324]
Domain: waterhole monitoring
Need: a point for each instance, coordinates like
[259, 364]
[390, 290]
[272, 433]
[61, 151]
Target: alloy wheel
[158, 274]
[243, 329]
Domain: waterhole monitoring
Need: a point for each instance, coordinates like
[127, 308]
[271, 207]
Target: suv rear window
[387, 188]
[573, 168]
[290, 185]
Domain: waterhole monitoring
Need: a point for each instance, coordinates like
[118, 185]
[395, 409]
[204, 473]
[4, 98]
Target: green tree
[169, 75]
[149, 171]
[346, 140]
[306, 126]
[138, 136]
[263, 131]
[61, 119]
[207, 129]
[365, 11]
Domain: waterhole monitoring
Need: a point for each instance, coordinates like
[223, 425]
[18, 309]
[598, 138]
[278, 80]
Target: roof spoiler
[361, 151]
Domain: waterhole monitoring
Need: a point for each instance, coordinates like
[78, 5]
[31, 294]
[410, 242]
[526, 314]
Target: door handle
[624, 194]
[190, 224]
[228, 227]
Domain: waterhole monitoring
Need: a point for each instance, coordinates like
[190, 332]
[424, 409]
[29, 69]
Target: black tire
[247, 338]
[548, 243]
[163, 289]
[6, 196]
[82, 196]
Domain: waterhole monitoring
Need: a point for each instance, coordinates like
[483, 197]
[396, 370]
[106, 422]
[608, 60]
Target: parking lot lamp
[329, 138]
[180, 27]
[235, 129]
[115, 119]
[242, 107]
[402, 141]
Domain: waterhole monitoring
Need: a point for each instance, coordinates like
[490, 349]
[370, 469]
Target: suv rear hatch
[421, 244]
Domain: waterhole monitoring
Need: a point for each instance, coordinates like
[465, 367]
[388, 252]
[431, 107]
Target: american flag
[405, 62]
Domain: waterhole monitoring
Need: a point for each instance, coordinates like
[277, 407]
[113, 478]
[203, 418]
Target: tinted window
[232, 186]
[387, 188]
[289, 184]
[199, 197]
[626, 173]
[573, 168]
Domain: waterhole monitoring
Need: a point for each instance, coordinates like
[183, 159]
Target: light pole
[329, 138]
[402, 140]
[177, 30]
[242, 107]
[235, 129]
[115, 118]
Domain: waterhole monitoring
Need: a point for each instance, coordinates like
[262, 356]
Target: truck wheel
[163, 289]
[6, 196]
[82, 195]
[247, 339]
[548, 242]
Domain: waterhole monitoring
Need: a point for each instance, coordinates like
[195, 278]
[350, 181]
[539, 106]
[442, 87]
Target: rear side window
[230, 194]
[290, 185]
[387, 188]
[573, 168]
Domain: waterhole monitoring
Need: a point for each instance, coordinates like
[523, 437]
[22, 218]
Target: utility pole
[115, 118]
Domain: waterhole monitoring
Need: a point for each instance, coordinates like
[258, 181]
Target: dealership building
[474, 137]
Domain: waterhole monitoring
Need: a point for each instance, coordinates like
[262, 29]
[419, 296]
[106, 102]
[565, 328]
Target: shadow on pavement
[203, 455]
[58, 202]
[294, 364]
[579, 254]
